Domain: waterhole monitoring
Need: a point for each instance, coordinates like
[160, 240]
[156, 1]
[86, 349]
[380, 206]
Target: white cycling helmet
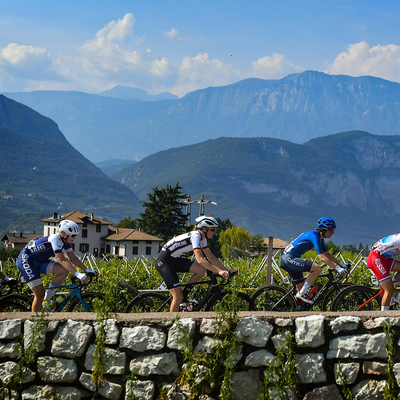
[68, 227]
[206, 222]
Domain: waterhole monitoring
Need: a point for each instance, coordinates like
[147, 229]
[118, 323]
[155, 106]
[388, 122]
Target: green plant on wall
[203, 372]
[27, 354]
[391, 389]
[280, 380]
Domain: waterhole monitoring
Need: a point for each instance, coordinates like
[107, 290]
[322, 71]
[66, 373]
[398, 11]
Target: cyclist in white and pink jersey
[170, 260]
[381, 262]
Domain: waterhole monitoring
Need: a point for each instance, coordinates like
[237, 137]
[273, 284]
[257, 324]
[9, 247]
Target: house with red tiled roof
[98, 236]
[19, 239]
[277, 244]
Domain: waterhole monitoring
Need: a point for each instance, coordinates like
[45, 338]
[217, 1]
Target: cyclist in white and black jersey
[170, 260]
[35, 260]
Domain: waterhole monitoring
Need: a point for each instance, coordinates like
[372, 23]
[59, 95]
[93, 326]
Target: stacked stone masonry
[143, 355]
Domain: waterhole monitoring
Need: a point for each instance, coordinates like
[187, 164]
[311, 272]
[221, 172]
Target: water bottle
[312, 292]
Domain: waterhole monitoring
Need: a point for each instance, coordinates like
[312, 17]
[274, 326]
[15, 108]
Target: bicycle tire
[94, 300]
[327, 301]
[351, 299]
[243, 302]
[20, 302]
[149, 302]
[270, 298]
[15, 303]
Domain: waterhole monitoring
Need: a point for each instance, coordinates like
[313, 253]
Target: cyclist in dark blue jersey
[292, 261]
[36, 259]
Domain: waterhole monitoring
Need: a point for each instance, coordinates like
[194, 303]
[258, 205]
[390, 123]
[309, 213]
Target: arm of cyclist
[67, 264]
[4, 278]
[211, 263]
[332, 262]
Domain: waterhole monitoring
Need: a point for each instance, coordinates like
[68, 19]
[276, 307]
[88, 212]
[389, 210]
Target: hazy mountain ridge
[124, 92]
[297, 108]
[41, 171]
[276, 187]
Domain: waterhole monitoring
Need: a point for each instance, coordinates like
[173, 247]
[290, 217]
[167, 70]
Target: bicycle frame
[74, 292]
[215, 289]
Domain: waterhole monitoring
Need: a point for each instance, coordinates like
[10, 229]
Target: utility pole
[188, 203]
[201, 202]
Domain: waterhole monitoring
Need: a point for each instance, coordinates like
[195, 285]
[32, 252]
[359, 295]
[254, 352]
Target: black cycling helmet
[327, 223]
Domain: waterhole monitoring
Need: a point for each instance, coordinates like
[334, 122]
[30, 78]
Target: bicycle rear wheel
[353, 297]
[15, 303]
[237, 301]
[149, 302]
[273, 298]
[327, 301]
[94, 300]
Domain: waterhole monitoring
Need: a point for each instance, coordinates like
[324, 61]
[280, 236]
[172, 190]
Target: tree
[163, 216]
[128, 223]
[234, 241]
[257, 244]
[214, 243]
[332, 247]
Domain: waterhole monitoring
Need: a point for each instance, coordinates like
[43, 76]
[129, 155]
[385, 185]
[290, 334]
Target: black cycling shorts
[168, 267]
[296, 265]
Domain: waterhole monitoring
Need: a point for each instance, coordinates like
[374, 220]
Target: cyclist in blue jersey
[292, 261]
[35, 260]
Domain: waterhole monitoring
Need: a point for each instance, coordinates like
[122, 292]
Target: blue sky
[180, 46]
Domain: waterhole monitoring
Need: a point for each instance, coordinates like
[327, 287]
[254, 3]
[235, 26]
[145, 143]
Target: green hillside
[275, 187]
[42, 172]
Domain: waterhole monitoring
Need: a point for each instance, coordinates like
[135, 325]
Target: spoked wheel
[327, 301]
[94, 300]
[15, 303]
[353, 299]
[149, 302]
[273, 298]
[234, 301]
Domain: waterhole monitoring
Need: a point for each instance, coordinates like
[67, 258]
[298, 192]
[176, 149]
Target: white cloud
[360, 59]
[160, 67]
[172, 34]
[274, 67]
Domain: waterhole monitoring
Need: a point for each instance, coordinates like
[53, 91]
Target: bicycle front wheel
[273, 298]
[237, 301]
[149, 302]
[15, 303]
[353, 299]
[94, 300]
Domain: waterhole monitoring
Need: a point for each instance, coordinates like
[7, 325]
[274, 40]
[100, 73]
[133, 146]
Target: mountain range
[41, 172]
[296, 108]
[276, 187]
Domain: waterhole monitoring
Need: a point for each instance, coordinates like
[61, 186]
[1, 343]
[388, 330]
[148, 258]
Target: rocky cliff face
[276, 187]
[297, 108]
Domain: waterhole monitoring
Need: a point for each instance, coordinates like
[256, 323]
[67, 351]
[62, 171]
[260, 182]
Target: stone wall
[143, 353]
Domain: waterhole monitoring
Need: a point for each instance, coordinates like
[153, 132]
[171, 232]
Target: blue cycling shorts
[31, 269]
[296, 265]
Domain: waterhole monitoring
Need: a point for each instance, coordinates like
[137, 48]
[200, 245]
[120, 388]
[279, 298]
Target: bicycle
[154, 301]
[11, 300]
[277, 298]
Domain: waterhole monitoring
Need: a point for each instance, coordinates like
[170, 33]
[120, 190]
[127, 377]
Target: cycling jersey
[34, 259]
[306, 241]
[387, 246]
[185, 243]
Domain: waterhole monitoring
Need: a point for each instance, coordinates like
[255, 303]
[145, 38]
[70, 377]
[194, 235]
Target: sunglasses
[212, 229]
[331, 230]
[73, 236]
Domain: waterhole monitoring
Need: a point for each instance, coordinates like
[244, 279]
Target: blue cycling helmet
[327, 223]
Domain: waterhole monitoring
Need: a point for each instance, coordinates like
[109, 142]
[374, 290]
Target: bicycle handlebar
[12, 286]
[90, 276]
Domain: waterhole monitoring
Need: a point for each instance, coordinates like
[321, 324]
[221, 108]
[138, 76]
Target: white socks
[49, 293]
[305, 288]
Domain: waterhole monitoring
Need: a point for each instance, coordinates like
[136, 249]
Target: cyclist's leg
[38, 291]
[30, 272]
[54, 268]
[381, 267]
[165, 265]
